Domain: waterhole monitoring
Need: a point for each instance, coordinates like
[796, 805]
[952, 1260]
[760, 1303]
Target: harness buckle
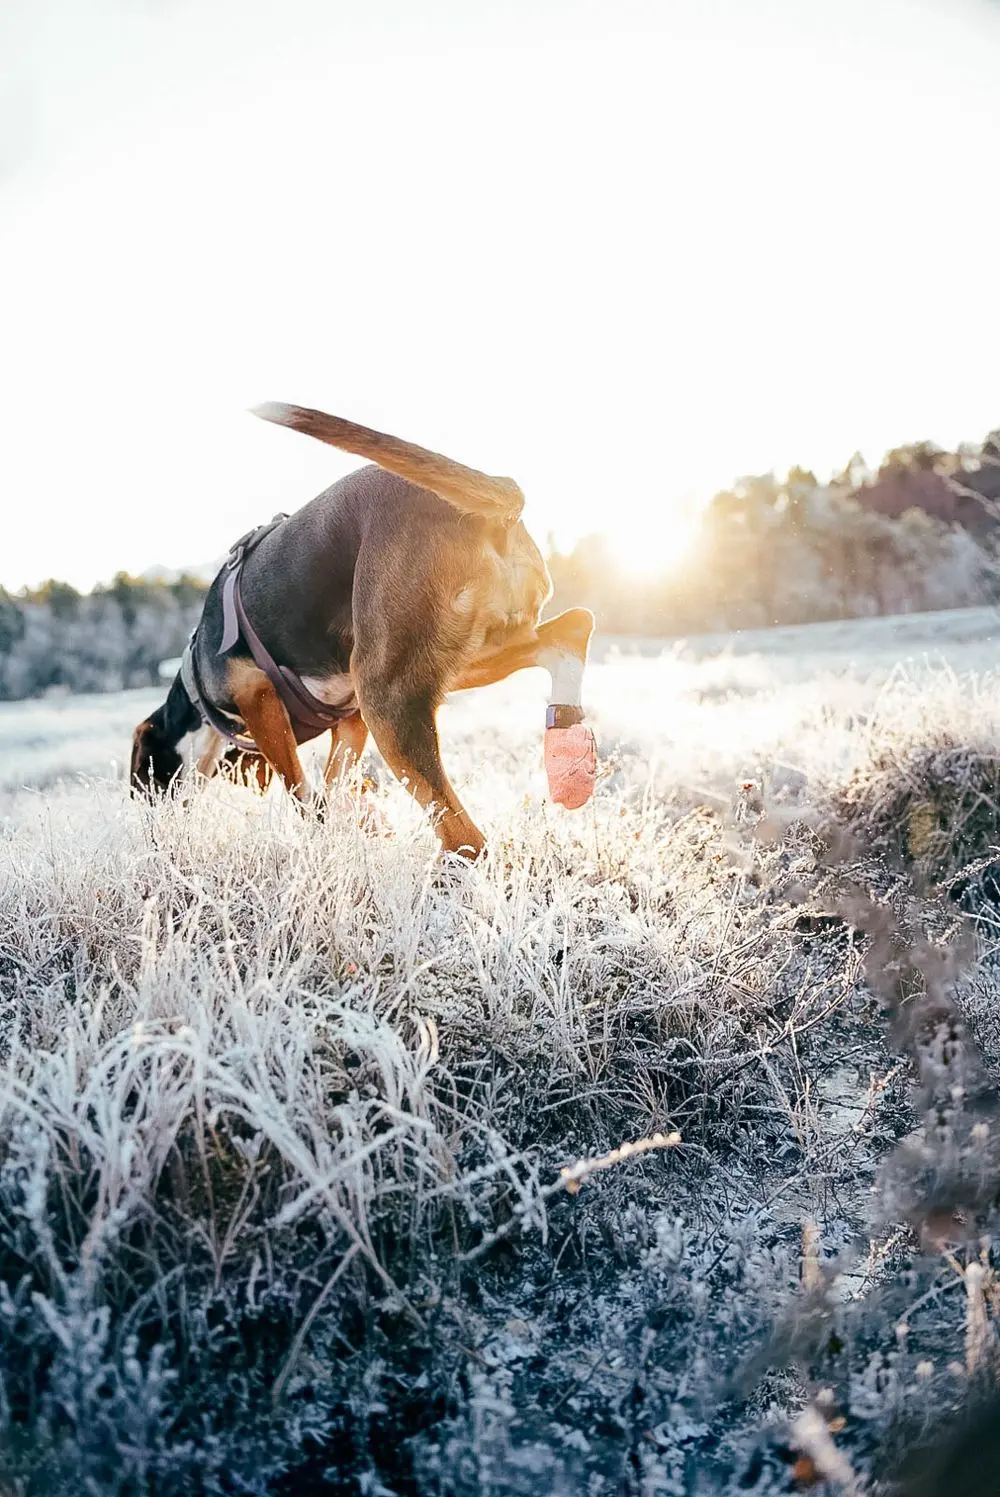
[239, 548]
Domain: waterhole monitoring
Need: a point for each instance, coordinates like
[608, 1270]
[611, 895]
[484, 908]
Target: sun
[643, 549]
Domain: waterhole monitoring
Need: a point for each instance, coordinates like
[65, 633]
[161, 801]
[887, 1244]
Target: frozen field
[285, 1107]
[636, 689]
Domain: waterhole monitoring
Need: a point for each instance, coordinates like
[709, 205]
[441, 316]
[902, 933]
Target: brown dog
[402, 582]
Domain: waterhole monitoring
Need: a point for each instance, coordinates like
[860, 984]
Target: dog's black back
[300, 584]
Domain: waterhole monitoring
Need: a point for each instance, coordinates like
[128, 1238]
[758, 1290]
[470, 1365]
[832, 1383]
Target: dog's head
[155, 760]
[157, 741]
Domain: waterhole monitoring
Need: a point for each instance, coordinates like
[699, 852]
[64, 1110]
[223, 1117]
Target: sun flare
[649, 550]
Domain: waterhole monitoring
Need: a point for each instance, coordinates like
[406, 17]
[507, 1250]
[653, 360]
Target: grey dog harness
[309, 716]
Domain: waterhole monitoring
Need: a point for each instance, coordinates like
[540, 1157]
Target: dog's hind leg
[560, 645]
[269, 725]
[401, 716]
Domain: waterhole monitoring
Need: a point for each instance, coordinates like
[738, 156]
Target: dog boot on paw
[570, 761]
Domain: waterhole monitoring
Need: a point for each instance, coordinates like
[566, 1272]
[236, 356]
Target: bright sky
[624, 250]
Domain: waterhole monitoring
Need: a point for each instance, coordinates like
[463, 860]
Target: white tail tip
[273, 410]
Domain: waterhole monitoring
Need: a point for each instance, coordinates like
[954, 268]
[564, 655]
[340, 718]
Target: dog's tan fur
[466, 488]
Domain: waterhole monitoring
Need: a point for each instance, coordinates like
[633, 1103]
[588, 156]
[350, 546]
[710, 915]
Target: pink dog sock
[570, 763]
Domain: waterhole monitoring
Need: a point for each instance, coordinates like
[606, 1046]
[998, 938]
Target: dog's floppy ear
[155, 760]
[141, 770]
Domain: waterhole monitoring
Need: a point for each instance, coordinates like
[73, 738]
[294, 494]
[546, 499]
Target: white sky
[624, 250]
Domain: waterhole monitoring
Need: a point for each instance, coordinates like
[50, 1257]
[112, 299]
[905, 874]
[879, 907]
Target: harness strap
[309, 716]
[234, 562]
[304, 709]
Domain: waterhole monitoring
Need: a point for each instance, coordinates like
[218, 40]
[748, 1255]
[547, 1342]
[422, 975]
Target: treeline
[920, 532]
[53, 637]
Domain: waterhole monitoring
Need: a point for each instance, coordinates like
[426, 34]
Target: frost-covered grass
[284, 1106]
[43, 741]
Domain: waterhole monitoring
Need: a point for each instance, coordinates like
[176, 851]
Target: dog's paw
[452, 869]
[571, 765]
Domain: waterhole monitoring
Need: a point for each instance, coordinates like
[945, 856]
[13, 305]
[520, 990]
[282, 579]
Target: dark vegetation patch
[932, 807]
[280, 1200]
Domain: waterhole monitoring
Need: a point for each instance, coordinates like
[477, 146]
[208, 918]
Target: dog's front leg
[207, 749]
[269, 725]
[347, 744]
[249, 768]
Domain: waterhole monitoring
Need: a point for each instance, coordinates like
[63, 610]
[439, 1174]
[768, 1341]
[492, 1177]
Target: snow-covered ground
[284, 1103]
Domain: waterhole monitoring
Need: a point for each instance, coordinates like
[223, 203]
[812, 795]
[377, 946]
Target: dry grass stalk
[811, 1435]
[812, 1278]
[977, 1325]
[573, 1176]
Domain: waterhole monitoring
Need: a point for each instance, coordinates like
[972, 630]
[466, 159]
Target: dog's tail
[496, 499]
